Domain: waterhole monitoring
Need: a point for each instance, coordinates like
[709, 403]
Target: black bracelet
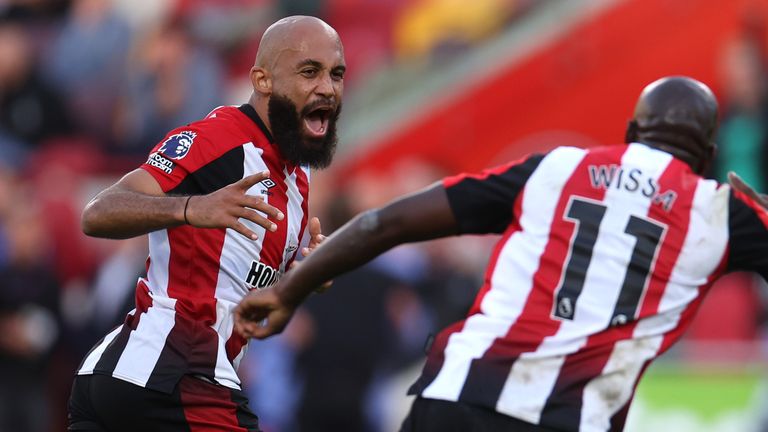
[186, 221]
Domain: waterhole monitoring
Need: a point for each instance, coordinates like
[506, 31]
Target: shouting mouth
[316, 121]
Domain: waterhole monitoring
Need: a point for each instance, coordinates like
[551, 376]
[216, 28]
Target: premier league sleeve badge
[177, 145]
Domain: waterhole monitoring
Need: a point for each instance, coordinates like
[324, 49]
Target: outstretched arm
[421, 216]
[137, 205]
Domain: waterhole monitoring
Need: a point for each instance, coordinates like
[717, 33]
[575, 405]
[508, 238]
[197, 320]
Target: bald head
[298, 83]
[678, 115]
[292, 33]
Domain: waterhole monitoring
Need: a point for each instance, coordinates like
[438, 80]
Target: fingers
[253, 327]
[258, 203]
[315, 236]
[258, 219]
[247, 182]
[244, 231]
[314, 227]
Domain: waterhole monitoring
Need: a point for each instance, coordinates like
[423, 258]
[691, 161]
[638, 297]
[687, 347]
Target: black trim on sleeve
[250, 111]
[222, 171]
[748, 242]
[483, 205]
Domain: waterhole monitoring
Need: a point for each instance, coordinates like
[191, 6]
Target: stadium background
[434, 87]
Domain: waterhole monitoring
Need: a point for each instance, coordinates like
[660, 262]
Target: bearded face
[306, 137]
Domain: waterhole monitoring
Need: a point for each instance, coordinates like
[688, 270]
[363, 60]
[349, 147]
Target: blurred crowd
[87, 87]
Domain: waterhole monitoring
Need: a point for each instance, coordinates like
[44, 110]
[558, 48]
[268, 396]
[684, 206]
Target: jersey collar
[248, 110]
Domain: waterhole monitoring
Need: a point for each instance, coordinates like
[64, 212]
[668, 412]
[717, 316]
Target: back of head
[678, 115]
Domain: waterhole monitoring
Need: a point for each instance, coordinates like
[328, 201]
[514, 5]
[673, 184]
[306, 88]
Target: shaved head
[677, 114]
[291, 33]
[298, 82]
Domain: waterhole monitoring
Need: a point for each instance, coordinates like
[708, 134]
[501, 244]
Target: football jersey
[604, 257]
[183, 321]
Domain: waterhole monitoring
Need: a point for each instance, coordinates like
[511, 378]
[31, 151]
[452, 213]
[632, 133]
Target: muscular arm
[133, 206]
[137, 205]
[421, 216]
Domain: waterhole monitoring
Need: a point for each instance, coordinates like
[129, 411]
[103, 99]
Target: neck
[260, 104]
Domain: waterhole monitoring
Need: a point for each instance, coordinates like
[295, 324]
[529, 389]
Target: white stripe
[295, 215]
[595, 305]
[528, 385]
[610, 255]
[512, 277]
[90, 362]
[605, 395]
[237, 254]
[160, 253]
[225, 324]
[704, 246]
[145, 344]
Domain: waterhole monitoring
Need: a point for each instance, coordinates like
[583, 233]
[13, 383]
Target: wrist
[186, 211]
[289, 298]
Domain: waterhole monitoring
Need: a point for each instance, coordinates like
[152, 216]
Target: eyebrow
[317, 64]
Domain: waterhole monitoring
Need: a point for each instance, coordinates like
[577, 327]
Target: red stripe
[143, 299]
[273, 244]
[208, 407]
[676, 177]
[487, 375]
[584, 365]
[193, 271]
[235, 343]
[436, 356]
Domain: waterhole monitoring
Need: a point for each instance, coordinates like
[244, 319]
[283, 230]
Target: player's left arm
[479, 203]
[421, 216]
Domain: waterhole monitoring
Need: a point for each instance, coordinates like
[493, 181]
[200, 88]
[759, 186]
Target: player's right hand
[258, 306]
[224, 208]
[739, 184]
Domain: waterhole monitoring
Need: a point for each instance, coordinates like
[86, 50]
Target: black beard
[296, 148]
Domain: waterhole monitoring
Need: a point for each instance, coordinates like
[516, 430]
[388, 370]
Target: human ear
[261, 81]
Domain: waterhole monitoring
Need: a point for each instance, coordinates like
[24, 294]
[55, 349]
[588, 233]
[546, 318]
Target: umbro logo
[268, 183]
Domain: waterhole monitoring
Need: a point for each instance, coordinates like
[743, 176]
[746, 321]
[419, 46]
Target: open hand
[224, 208]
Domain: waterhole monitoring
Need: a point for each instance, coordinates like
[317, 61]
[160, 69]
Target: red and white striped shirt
[604, 258]
[183, 321]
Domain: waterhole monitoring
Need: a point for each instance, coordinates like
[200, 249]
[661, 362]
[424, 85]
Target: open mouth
[316, 121]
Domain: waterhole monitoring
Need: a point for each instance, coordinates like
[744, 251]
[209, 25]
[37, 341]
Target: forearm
[117, 213]
[422, 216]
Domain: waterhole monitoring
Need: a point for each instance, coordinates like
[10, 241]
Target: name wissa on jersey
[604, 257]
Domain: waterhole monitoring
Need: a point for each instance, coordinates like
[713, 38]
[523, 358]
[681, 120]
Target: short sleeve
[483, 203]
[748, 229]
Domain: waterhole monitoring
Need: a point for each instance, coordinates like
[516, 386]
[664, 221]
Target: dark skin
[424, 215]
[427, 214]
[136, 204]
